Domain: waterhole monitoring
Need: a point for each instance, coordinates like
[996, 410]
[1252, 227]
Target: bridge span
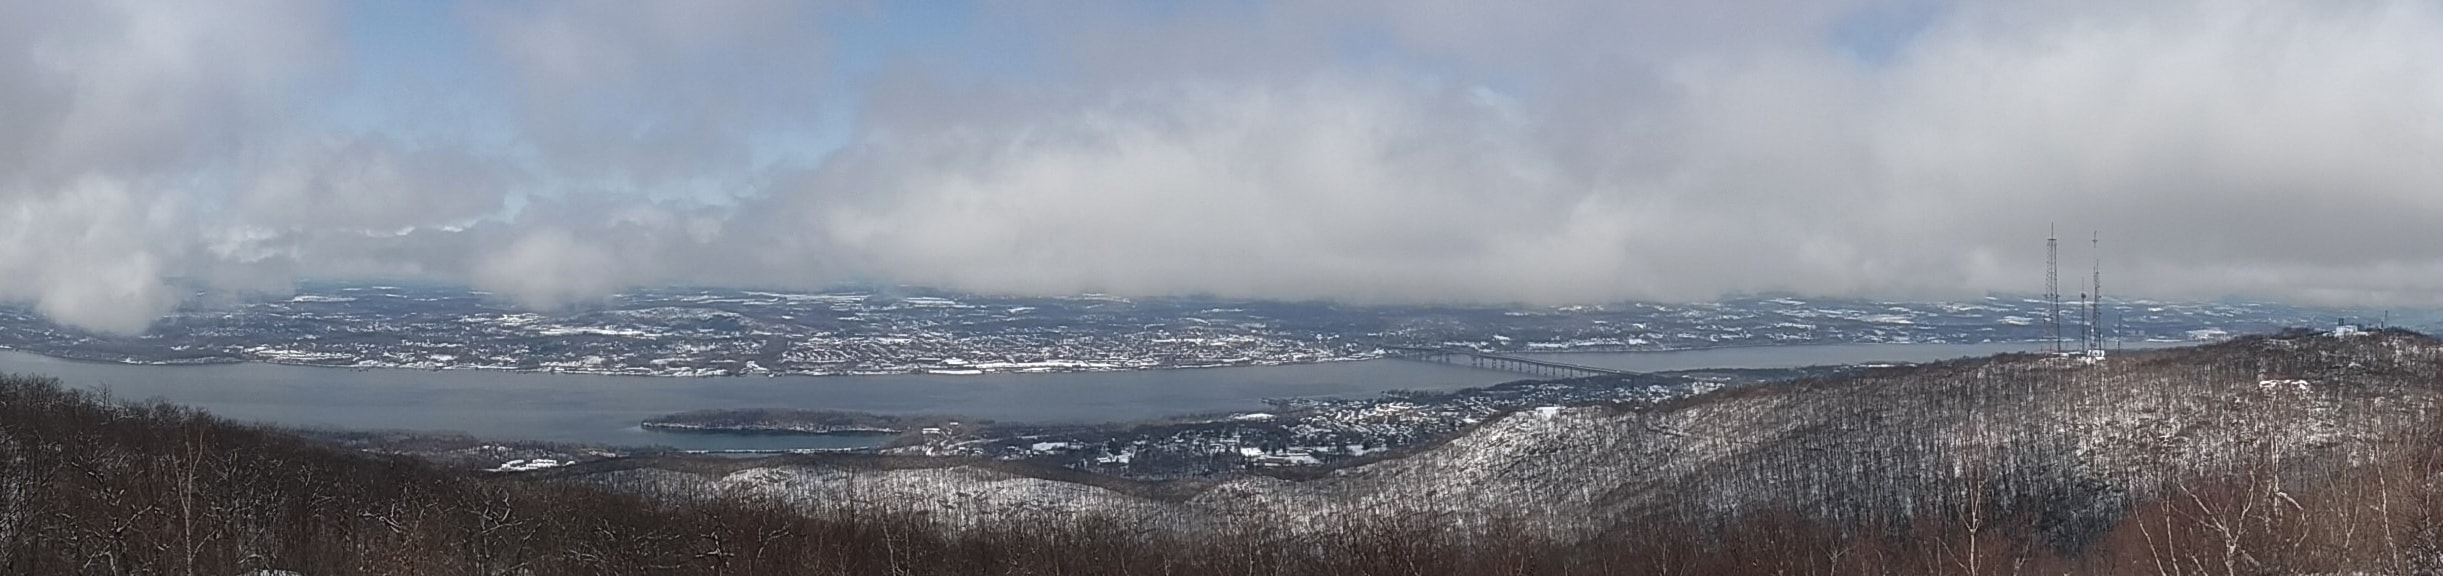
[1492, 361]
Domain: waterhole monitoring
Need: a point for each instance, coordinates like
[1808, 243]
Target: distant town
[719, 332]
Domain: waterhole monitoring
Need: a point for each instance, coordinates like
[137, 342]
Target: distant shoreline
[673, 428]
[980, 372]
[583, 372]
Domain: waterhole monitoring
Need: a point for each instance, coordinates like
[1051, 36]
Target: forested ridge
[2298, 453]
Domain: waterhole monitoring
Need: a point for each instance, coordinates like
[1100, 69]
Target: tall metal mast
[2052, 282]
[2095, 313]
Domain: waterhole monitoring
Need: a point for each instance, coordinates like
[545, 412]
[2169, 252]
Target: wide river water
[606, 409]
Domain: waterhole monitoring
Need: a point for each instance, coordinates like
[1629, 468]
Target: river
[605, 409]
[1800, 355]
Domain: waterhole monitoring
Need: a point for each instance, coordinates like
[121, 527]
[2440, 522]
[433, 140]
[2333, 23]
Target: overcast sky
[1371, 151]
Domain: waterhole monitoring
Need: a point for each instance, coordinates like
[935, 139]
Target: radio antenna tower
[2052, 282]
[2095, 310]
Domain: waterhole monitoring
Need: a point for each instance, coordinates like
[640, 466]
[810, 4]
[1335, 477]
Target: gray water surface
[606, 409]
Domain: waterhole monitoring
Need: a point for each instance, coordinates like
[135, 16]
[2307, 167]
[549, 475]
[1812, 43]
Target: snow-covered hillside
[2089, 435]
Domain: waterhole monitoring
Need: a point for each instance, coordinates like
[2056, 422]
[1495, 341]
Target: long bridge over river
[1492, 361]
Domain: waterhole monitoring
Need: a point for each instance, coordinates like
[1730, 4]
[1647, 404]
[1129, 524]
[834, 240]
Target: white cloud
[1381, 152]
[115, 111]
[2268, 149]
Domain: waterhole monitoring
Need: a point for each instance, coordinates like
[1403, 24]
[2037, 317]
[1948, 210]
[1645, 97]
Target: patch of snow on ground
[596, 330]
[526, 465]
